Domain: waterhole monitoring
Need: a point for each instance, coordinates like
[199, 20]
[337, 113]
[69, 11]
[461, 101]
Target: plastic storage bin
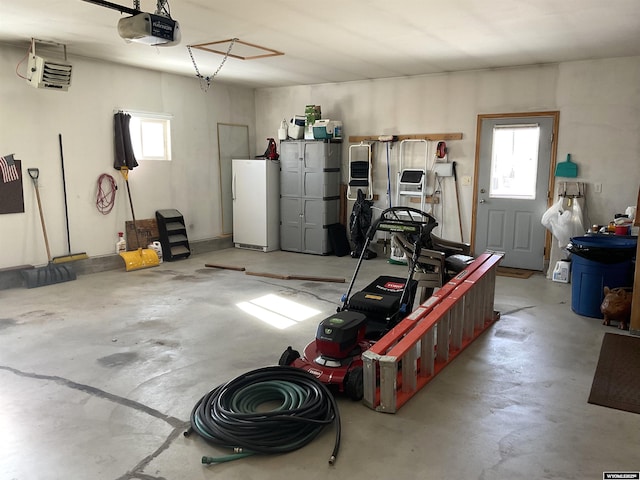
[598, 261]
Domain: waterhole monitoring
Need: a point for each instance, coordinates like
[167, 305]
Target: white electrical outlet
[466, 180]
[597, 187]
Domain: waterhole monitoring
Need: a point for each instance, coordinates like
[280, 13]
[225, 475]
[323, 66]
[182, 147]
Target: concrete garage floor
[98, 377]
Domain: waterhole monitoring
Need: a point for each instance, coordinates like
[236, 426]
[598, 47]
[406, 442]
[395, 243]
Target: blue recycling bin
[599, 261]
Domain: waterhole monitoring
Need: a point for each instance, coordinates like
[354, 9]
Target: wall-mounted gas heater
[48, 73]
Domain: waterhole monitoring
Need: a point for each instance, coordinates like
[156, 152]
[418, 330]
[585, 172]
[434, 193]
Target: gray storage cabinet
[309, 194]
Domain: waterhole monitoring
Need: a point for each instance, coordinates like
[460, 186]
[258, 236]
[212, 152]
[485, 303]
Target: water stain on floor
[208, 271]
[166, 272]
[37, 314]
[118, 359]
[515, 335]
[287, 293]
[165, 343]
[175, 275]
[187, 278]
[7, 323]
[38, 317]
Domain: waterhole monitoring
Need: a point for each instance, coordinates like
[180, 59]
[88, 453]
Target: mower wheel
[288, 357]
[354, 384]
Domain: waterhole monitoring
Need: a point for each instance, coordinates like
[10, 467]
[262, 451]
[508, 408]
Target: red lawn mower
[334, 356]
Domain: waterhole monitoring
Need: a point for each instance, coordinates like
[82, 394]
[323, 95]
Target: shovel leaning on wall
[51, 273]
[142, 257]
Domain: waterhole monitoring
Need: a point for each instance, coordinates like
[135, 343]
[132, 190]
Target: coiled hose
[229, 415]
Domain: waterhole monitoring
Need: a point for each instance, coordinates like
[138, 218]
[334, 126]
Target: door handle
[233, 187]
[482, 200]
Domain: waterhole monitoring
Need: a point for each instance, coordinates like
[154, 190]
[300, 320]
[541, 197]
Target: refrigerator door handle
[233, 187]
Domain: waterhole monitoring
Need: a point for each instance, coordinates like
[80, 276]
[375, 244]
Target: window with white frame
[150, 135]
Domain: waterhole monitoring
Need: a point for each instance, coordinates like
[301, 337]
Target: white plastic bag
[552, 214]
[576, 221]
[559, 222]
[563, 229]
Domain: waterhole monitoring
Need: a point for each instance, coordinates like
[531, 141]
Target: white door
[512, 188]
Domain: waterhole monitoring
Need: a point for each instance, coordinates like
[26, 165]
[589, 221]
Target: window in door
[514, 161]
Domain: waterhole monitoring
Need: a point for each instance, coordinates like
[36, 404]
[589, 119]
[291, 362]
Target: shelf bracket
[414, 136]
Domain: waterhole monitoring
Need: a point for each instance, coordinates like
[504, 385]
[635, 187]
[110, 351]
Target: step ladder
[410, 185]
[360, 171]
[412, 176]
[412, 353]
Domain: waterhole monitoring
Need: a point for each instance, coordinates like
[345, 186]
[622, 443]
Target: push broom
[70, 257]
[52, 273]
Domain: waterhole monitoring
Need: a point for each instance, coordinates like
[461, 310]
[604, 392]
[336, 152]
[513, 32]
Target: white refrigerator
[255, 191]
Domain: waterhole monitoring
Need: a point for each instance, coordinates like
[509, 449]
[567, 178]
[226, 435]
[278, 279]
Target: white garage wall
[599, 104]
[32, 118]
[600, 126]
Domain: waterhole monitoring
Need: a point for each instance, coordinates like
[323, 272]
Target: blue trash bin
[598, 261]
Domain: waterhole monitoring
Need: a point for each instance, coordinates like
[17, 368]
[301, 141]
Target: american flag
[9, 170]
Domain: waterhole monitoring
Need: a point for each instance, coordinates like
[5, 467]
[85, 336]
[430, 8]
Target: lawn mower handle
[392, 214]
[388, 214]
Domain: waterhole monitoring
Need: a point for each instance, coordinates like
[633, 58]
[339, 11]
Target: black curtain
[124, 156]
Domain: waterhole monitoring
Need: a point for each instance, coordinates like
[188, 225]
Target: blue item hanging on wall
[567, 168]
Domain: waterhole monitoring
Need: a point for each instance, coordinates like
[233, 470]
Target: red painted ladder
[427, 340]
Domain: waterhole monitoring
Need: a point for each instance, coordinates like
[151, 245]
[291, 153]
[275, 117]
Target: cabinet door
[318, 214]
[290, 168]
[313, 169]
[321, 184]
[321, 155]
[290, 224]
[312, 234]
[314, 155]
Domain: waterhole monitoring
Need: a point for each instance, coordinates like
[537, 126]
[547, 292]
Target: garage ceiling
[340, 41]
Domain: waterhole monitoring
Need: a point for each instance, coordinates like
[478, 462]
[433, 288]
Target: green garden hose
[229, 415]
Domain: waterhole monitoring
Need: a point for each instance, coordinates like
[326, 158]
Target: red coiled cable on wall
[106, 196]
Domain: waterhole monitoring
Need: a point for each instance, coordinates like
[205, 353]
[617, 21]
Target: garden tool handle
[125, 173]
[34, 173]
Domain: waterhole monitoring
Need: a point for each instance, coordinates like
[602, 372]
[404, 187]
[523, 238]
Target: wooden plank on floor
[225, 267]
[317, 279]
[309, 278]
